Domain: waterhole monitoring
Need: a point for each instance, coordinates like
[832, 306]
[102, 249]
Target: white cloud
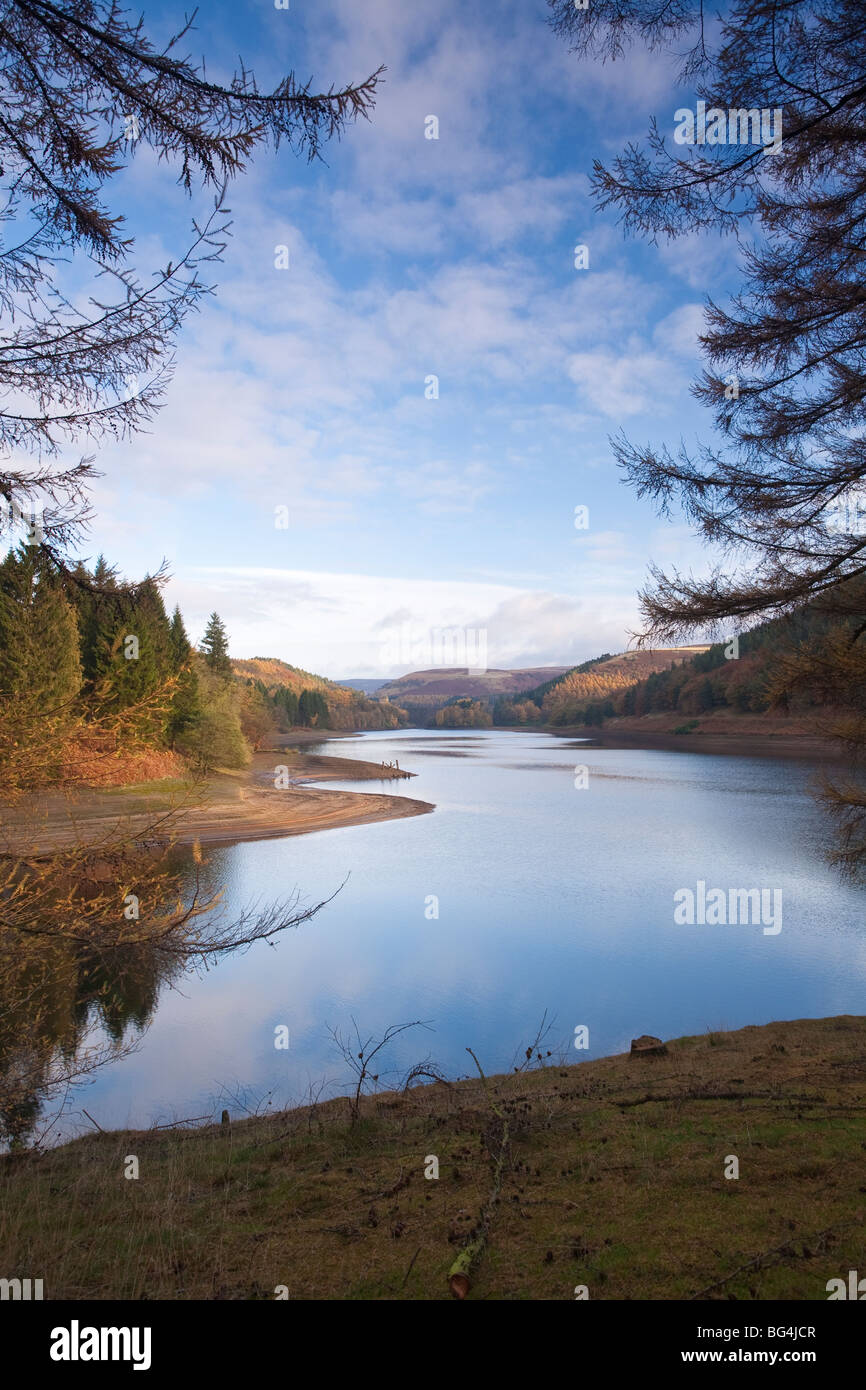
[705, 260]
[626, 383]
[347, 623]
[678, 332]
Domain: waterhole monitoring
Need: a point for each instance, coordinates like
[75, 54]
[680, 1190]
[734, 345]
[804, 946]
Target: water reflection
[65, 1011]
[549, 898]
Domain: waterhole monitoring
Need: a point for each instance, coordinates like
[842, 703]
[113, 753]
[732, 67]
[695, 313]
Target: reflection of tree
[56, 998]
[71, 1002]
[88, 934]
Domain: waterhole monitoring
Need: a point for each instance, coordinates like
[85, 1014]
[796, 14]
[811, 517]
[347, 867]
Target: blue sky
[409, 257]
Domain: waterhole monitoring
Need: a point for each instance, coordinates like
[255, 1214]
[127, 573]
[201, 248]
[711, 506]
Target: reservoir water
[525, 892]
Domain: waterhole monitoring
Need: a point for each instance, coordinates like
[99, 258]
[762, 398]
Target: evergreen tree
[215, 647]
[96, 606]
[132, 656]
[287, 703]
[148, 610]
[181, 647]
[305, 708]
[185, 712]
[39, 662]
[706, 699]
[312, 709]
[118, 671]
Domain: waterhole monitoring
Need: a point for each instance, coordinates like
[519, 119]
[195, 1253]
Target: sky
[303, 478]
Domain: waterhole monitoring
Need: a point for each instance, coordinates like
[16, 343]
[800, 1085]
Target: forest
[124, 688]
[803, 661]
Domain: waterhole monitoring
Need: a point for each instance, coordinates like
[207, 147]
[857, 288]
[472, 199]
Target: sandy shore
[231, 807]
[269, 814]
[227, 809]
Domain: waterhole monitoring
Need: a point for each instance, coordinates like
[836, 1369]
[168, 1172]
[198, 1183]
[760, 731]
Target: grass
[614, 1179]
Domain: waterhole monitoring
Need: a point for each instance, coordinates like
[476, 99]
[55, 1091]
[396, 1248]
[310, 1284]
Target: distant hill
[447, 682]
[368, 686]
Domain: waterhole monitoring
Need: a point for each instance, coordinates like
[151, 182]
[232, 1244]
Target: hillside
[347, 708]
[790, 669]
[446, 683]
[366, 684]
[273, 672]
[563, 698]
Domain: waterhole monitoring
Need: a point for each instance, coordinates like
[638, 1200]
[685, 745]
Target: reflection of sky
[550, 898]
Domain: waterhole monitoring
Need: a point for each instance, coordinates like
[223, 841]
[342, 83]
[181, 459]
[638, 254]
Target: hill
[790, 668]
[564, 698]
[363, 683]
[347, 708]
[273, 672]
[445, 683]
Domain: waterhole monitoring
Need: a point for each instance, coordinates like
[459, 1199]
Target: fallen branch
[459, 1281]
[776, 1250]
[411, 1266]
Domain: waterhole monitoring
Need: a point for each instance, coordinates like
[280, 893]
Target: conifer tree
[39, 663]
[185, 712]
[287, 702]
[215, 647]
[126, 644]
[181, 647]
[96, 605]
[255, 713]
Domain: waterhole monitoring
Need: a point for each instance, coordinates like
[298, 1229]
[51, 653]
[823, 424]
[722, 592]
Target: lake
[552, 898]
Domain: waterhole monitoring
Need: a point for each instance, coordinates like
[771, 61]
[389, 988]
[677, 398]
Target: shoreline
[714, 738]
[616, 1180]
[309, 810]
[235, 807]
[241, 806]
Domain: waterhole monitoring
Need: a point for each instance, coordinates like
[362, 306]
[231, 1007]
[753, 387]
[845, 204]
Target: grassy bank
[613, 1178]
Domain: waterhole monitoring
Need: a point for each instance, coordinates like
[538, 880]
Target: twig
[174, 1123]
[459, 1281]
[93, 1122]
[409, 1270]
[777, 1249]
